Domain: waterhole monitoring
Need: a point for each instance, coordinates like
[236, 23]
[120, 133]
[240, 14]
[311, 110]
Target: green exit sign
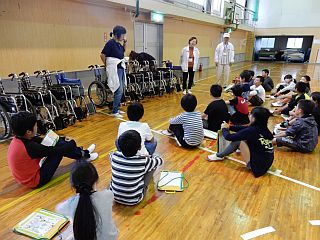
[157, 17]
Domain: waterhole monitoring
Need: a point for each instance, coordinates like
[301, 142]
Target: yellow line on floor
[48, 185]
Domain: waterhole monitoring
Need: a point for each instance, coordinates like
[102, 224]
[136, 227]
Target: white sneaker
[167, 133]
[189, 91]
[91, 148]
[93, 156]
[277, 104]
[213, 157]
[121, 112]
[177, 142]
[117, 115]
[238, 151]
[184, 92]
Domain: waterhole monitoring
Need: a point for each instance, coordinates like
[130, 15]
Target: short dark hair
[260, 78]
[193, 38]
[216, 90]
[261, 116]
[301, 87]
[118, 31]
[316, 97]
[22, 122]
[189, 102]
[129, 143]
[251, 73]
[266, 71]
[307, 77]
[135, 111]
[133, 55]
[237, 90]
[245, 75]
[288, 76]
[306, 106]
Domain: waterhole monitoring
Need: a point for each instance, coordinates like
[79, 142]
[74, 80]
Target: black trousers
[190, 73]
[178, 131]
[52, 162]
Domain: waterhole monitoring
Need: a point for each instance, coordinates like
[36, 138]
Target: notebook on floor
[41, 224]
[171, 181]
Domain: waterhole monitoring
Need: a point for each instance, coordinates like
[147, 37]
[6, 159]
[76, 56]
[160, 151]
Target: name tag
[224, 54]
[190, 59]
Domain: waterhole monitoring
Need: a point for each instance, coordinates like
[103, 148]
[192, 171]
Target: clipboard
[171, 181]
[41, 224]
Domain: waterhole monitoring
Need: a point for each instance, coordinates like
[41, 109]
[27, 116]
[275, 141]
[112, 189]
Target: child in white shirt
[257, 95]
[135, 112]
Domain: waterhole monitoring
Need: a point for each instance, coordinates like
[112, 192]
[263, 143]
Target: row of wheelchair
[144, 79]
[61, 102]
[55, 105]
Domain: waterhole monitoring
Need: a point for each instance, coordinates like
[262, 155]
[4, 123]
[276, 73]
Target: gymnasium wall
[289, 17]
[296, 32]
[177, 32]
[69, 35]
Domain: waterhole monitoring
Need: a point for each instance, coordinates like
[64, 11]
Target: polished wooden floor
[223, 201]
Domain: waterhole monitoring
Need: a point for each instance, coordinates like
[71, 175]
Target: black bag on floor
[256, 101]
[79, 113]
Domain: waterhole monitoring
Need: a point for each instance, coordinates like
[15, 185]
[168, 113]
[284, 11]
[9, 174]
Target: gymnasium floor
[223, 200]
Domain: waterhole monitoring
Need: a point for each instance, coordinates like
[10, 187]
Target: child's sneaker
[167, 132]
[177, 142]
[117, 115]
[93, 156]
[91, 148]
[121, 112]
[189, 91]
[214, 157]
[184, 92]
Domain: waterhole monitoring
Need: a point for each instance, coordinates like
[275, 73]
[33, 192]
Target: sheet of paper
[210, 134]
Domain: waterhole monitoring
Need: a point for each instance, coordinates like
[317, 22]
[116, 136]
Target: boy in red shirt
[238, 107]
[26, 151]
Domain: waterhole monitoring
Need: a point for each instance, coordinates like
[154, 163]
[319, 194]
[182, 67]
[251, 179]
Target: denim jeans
[118, 94]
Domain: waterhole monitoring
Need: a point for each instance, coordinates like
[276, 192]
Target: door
[148, 38]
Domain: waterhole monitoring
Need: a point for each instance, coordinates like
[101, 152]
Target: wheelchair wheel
[97, 93]
[5, 127]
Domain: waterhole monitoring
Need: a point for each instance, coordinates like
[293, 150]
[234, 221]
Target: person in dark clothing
[238, 107]
[255, 142]
[26, 153]
[300, 89]
[302, 136]
[141, 57]
[315, 97]
[268, 84]
[217, 111]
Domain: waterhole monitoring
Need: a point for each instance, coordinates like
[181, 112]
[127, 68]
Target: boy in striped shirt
[187, 126]
[131, 172]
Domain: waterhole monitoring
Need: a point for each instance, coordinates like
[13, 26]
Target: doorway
[148, 37]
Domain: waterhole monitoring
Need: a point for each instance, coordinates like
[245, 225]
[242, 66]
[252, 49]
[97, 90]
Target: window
[216, 6]
[199, 2]
[241, 2]
[267, 42]
[294, 42]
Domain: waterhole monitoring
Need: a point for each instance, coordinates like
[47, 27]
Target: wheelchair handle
[37, 72]
[23, 74]
[91, 67]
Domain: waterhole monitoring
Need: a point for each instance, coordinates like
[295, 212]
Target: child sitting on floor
[135, 112]
[287, 85]
[26, 151]
[217, 111]
[315, 97]
[267, 81]
[255, 142]
[131, 172]
[257, 95]
[90, 210]
[300, 90]
[302, 136]
[238, 107]
[187, 127]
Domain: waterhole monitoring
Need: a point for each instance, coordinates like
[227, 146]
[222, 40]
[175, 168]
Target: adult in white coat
[112, 56]
[189, 63]
[224, 57]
